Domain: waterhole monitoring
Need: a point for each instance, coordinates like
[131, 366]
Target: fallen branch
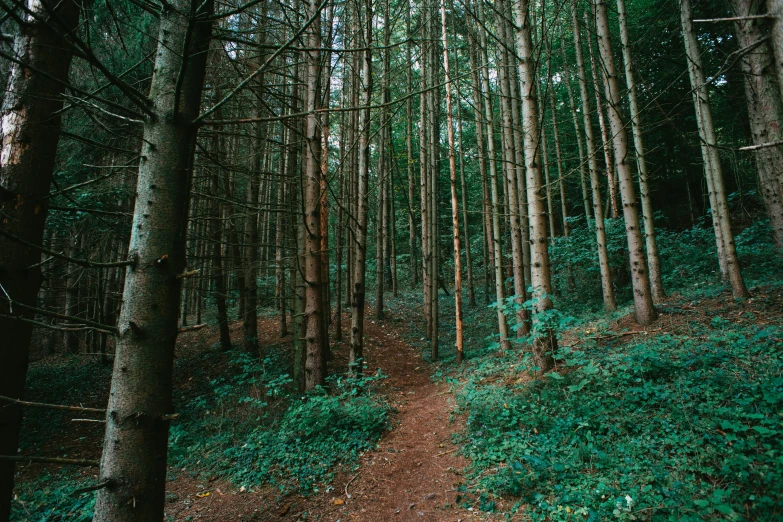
[446, 452]
[51, 406]
[191, 328]
[735, 18]
[348, 484]
[51, 460]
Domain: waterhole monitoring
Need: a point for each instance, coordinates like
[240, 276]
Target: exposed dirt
[414, 474]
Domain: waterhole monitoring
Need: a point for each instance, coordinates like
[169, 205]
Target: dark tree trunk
[137, 427]
[30, 130]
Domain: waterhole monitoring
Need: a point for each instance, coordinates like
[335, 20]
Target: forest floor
[414, 473]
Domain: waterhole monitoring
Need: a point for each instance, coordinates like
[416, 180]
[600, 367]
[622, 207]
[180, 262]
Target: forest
[377, 260]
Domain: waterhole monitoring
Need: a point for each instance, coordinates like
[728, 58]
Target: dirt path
[414, 474]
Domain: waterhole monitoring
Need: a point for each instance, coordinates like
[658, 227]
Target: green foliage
[254, 429]
[675, 428]
[50, 498]
[688, 257]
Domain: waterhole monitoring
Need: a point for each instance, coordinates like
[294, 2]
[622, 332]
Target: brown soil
[414, 473]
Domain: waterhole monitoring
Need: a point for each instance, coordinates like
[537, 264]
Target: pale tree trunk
[495, 237]
[380, 226]
[640, 279]
[140, 401]
[765, 110]
[315, 364]
[775, 8]
[414, 267]
[545, 341]
[556, 134]
[545, 161]
[512, 193]
[30, 131]
[583, 162]
[356, 357]
[464, 196]
[453, 179]
[653, 260]
[486, 206]
[605, 138]
[713, 170]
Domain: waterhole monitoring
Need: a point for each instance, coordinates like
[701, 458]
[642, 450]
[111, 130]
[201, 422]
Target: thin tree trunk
[356, 357]
[653, 261]
[496, 245]
[640, 279]
[595, 183]
[453, 178]
[605, 138]
[712, 166]
[583, 162]
[545, 342]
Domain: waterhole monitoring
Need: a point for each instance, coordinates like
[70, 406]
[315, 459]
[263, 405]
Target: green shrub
[675, 428]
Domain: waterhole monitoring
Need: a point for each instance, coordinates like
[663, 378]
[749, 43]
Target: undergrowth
[670, 428]
[252, 429]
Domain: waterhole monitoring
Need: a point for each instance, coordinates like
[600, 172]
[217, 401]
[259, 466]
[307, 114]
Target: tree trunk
[765, 110]
[496, 245]
[595, 183]
[30, 130]
[713, 170]
[356, 356]
[315, 364]
[653, 261]
[545, 341]
[583, 162]
[605, 138]
[643, 303]
[453, 179]
[137, 426]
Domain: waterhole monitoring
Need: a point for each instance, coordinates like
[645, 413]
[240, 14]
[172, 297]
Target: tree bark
[640, 278]
[765, 109]
[653, 260]
[712, 166]
[356, 356]
[491, 160]
[453, 179]
[136, 439]
[545, 341]
[30, 131]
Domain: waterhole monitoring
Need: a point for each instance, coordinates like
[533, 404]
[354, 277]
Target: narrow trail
[415, 472]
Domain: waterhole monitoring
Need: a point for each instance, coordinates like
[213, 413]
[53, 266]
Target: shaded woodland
[270, 180]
